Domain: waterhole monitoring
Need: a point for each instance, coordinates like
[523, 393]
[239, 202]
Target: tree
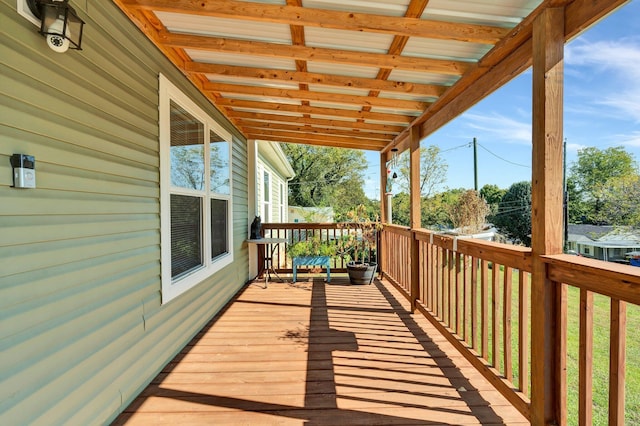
[435, 209]
[326, 177]
[514, 213]
[492, 194]
[469, 213]
[590, 179]
[620, 201]
[433, 170]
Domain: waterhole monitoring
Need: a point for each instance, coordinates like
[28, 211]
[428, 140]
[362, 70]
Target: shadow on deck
[318, 353]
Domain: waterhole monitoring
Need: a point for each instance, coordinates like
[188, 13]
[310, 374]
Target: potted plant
[357, 245]
[312, 252]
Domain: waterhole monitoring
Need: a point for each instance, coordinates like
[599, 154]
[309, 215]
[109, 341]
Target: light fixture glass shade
[59, 24]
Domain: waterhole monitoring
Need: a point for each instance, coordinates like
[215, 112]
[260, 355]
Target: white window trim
[267, 205]
[282, 187]
[173, 288]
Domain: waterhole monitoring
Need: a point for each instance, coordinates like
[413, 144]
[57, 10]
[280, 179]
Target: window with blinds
[196, 191]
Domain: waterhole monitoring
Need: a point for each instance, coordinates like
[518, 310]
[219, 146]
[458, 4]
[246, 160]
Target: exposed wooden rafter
[442, 74]
[305, 16]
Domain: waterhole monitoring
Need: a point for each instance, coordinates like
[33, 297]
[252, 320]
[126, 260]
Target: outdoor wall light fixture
[59, 24]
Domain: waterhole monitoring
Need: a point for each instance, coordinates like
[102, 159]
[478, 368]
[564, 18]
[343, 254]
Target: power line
[504, 159]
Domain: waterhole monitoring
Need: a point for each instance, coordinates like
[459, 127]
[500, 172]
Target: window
[195, 193]
[282, 203]
[266, 196]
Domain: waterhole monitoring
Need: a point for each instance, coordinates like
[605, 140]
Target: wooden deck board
[319, 354]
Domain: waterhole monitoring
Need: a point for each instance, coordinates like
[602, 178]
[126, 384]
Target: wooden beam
[243, 116]
[324, 18]
[301, 109]
[415, 213]
[508, 59]
[337, 56]
[314, 130]
[324, 140]
[307, 95]
[548, 380]
[264, 74]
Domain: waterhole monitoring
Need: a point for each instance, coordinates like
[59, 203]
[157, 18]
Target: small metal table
[269, 245]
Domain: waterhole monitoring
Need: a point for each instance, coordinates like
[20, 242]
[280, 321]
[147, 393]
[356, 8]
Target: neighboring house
[311, 214]
[603, 242]
[273, 175]
[120, 255]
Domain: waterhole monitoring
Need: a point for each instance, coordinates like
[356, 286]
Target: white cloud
[612, 67]
[500, 127]
[632, 140]
[575, 147]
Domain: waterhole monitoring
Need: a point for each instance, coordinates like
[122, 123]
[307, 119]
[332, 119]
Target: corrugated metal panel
[342, 69]
[507, 13]
[378, 7]
[422, 77]
[335, 89]
[444, 49]
[259, 98]
[241, 60]
[406, 96]
[347, 40]
[333, 105]
[245, 81]
[224, 27]
[82, 329]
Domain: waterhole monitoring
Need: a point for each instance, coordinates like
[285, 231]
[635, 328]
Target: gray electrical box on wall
[24, 171]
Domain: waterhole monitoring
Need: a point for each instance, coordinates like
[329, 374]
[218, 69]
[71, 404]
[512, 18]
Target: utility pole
[475, 164]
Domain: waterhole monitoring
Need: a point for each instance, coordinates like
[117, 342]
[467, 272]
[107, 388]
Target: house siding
[276, 180]
[82, 328]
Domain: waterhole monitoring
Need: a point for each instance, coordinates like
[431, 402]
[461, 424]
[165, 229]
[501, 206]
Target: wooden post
[383, 188]
[548, 377]
[415, 213]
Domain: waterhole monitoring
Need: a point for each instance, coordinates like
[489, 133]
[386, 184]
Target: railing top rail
[610, 279]
[310, 225]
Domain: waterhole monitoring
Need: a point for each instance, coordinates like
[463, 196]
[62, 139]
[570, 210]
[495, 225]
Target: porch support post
[384, 217]
[548, 373]
[383, 189]
[415, 213]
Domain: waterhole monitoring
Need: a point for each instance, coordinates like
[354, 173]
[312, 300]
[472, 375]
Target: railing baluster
[474, 303]
[484, 316]
[617, 362]
[523, 334]
[495, 316]
[450, 288]
[585, 360]
[506, 322]
[459, 282]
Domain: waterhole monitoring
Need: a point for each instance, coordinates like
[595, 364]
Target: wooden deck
[319, 354]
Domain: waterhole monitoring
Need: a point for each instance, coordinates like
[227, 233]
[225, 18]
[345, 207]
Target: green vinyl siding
[82, 327]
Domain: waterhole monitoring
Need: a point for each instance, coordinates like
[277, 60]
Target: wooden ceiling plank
[319, 140]
[353, 21]
[243, 116]
[246, 125]
[377, 60]
[327, 112]
[308, 95]
[265, 74]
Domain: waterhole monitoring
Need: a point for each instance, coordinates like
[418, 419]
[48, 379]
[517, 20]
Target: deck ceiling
[347, 73]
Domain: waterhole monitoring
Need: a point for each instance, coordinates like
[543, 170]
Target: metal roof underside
[347, 73]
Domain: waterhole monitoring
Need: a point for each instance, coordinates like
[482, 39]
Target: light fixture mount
[59, 23]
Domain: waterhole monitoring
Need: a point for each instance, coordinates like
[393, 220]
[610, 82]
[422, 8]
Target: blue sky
[602, 109]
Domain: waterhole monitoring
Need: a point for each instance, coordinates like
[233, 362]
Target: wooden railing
[294, 232]
[477, 294]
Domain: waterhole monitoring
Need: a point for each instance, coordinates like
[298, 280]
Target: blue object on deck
[312, 261]
[634, 262]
